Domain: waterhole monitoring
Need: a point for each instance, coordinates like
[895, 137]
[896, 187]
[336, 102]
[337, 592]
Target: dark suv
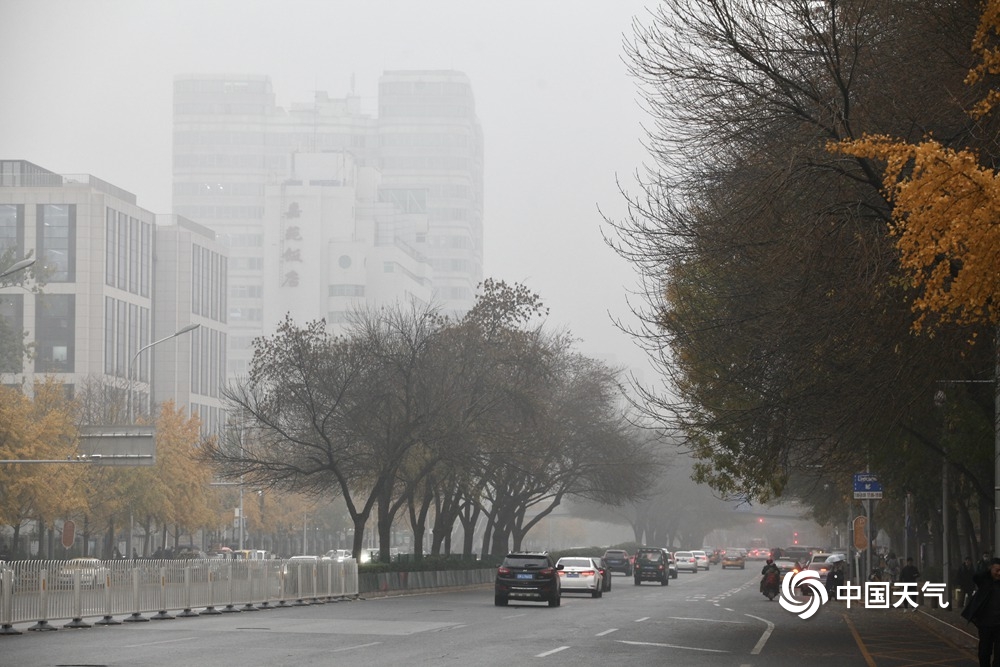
[527, 576]
[618, 560]
[652, 564]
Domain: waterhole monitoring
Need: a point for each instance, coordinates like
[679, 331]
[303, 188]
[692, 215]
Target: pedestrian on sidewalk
[966, 584]
[984, 611]
[909, 574]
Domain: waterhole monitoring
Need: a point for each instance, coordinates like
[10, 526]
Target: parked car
[605, 573]
[651, 564]
[686, 561]
[527, 576]
[580, 573]
[702, 558]
[93, 573]
[295, 567]
[733, 558]
[618, 560]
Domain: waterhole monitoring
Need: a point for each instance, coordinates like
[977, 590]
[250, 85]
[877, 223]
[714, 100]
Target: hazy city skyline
[89, 89]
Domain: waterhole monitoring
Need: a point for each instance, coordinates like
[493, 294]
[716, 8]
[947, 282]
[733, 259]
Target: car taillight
[547, 572]
[503, 570]
[659, 567]
[588, 573]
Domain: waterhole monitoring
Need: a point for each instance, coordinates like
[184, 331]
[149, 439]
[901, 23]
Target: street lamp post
[190, 327]
[128, 373]
[17, 266]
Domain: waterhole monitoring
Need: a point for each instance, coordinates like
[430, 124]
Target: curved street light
[17, 266]
[190, 327]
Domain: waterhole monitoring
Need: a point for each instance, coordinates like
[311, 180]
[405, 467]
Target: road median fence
[38, 591]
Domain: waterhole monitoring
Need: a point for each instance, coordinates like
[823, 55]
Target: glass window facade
[11, 333]
[56, 237]
[12, 229]
[55, 326]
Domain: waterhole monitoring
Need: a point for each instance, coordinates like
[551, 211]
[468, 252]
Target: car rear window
[615, 554]
[652, 556]
[683, 554]
[576, 562]
[526, 561]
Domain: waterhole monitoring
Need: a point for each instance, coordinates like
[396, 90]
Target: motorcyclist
[768, 569]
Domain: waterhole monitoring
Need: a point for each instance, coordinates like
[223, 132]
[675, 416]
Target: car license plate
[572, 574]
[525, 575]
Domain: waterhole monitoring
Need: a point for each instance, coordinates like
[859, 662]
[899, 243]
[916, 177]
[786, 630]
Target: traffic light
[760, 519]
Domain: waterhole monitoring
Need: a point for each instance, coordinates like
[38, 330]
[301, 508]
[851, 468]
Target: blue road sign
[866, 485]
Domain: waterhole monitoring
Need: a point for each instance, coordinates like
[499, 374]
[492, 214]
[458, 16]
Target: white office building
[113, 281]
[323, 207]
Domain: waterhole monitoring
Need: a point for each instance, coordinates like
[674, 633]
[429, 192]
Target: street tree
[774, 304]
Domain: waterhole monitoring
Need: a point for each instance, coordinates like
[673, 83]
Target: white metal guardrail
[38, 591]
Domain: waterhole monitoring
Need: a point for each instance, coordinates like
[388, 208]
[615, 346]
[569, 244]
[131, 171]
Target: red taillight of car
[548, 572]
[587, 573]
[503, 570]
[659, 567]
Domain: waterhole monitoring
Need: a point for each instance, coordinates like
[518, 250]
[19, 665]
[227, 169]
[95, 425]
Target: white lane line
[704, 620]
[606, 632]
[686, 648]
[351, 648]
[548, 653]
[166, 641]
[640, 620]
[514, 616]
[764, 637]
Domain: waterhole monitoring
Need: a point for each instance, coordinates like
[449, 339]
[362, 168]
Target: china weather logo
[804, 579]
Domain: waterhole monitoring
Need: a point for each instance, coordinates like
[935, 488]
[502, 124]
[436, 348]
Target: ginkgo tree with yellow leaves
[946, 205]
[38, 428]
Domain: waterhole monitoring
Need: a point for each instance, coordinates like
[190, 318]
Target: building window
[109, 336]
[12, 331]
[12, 229]
[346, 290]
[55, 323]
[57, 241]
[110, 245]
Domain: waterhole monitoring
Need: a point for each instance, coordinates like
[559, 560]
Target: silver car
[686, 561]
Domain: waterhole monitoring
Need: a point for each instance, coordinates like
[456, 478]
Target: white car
[339, 555]
[686, 561]
[93, 573]
[702, 558]
[580, 574]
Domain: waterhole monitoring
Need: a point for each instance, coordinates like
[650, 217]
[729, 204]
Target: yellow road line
[861, 645]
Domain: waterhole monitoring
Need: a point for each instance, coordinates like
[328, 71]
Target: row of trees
[487, 420]
[167, 503]
[817, 231]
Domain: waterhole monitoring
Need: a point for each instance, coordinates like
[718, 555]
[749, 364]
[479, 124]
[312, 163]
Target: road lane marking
[351, 648]
[686, 648]
[165, 641]
[514, 616]
[861, 645]
[640, 620]
[759, 646]
[606, 632]
[548, 653]
[703, 620]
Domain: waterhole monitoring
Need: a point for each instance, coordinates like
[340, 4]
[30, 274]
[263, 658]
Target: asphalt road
[710, 618]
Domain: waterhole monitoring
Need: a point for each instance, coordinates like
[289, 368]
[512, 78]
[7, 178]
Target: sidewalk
[949, 622]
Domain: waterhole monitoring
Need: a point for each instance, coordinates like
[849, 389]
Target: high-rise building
[324, 207]
[114, 281]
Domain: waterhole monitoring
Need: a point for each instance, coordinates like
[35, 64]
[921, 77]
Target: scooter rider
[766, 570]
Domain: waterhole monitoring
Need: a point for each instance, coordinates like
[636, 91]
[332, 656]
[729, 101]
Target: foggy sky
[86, 87]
